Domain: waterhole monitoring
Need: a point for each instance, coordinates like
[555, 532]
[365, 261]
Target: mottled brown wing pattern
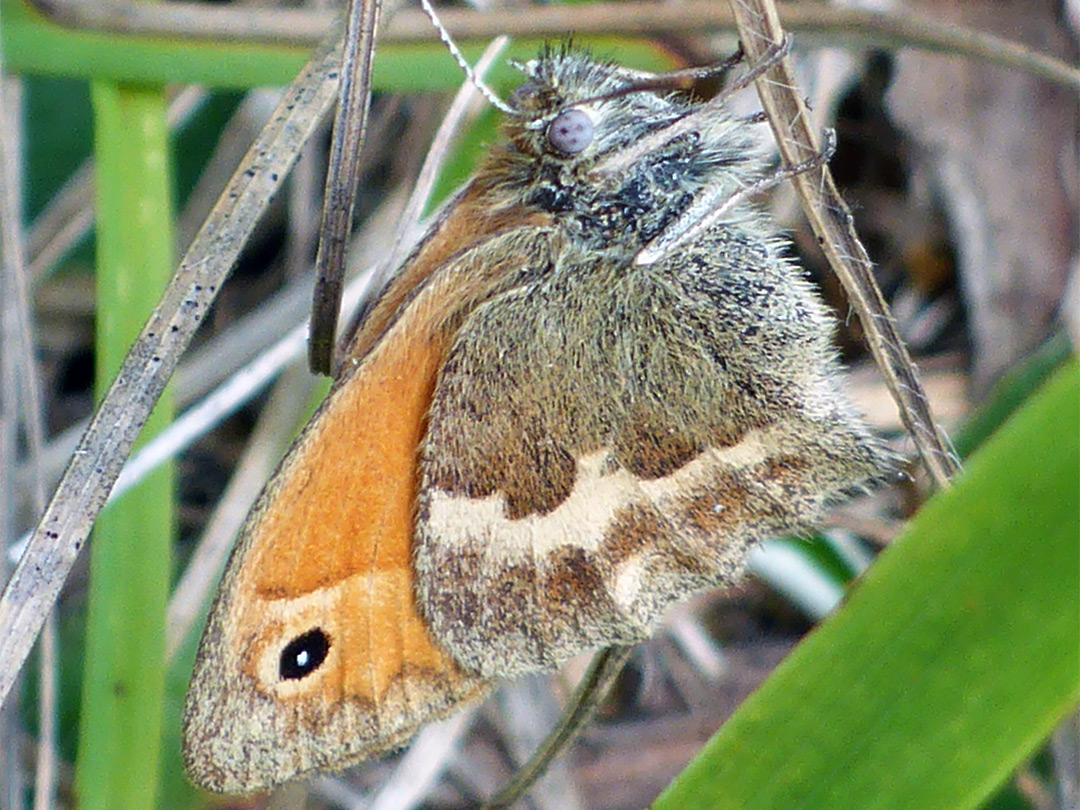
[639, 430]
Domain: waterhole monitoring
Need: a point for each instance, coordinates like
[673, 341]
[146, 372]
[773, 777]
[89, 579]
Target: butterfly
[595, 384]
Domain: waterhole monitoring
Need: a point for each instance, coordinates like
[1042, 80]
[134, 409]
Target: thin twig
[10, 771]
[244, 383]
[831, 220]
[406, 232]
[830, 25]
[16, 301]
[217, 359]
[525, 712]
[82, 492]
[342, 179]
[250, 116]
[605, 667]
[202, 370]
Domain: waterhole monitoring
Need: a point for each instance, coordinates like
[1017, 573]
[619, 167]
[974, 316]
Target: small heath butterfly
[540, 441]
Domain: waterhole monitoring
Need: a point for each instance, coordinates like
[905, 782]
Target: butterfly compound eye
[303, 655]
[571, 132]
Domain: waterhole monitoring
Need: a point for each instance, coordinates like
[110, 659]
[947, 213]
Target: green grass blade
[124, 676]
[954, 658]
[1011, 391]
[33, 44]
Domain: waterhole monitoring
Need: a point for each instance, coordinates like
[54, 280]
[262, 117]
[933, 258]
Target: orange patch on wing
[339, 516]
[343, 513]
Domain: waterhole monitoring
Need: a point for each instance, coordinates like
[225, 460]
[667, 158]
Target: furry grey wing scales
[605, 439]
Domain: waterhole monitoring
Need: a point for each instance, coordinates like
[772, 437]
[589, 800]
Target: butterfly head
[575, 108]
[613, 152]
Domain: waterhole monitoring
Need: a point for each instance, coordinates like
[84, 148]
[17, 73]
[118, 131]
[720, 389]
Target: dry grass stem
[832, 223]
[65, 526]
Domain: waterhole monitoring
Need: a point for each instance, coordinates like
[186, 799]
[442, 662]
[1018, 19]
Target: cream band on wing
[586, 516]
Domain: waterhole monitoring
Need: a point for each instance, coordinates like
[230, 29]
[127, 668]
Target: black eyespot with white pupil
[571, 132]
[303, 655]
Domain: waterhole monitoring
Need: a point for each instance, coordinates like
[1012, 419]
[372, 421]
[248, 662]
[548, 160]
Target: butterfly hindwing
[601, 444]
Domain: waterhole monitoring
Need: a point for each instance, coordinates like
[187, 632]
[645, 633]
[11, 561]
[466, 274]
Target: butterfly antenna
[444, 35]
